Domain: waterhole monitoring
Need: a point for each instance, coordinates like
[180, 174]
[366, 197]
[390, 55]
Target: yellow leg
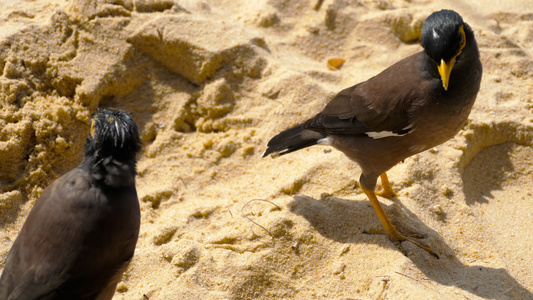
[387, 191]
[396, 236]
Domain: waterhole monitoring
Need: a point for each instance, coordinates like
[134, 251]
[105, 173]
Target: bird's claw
[401, 238]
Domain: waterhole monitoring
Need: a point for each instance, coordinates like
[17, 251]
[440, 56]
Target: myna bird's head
[443, 39]
[113, 134]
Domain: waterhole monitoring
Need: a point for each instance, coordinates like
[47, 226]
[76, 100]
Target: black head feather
[114, 135]
[443, 35]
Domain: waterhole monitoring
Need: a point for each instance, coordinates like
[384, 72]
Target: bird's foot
[398, 238]
[386, 193]
[386, 190]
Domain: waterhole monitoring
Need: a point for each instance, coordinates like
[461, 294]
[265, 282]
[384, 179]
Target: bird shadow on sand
[344, 221]
[495, 163]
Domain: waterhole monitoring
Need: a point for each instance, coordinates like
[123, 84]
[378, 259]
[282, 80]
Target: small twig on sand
[254, 222]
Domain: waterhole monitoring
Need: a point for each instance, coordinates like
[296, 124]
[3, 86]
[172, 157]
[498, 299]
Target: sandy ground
[210, 82]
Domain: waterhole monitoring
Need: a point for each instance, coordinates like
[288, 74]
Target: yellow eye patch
[92, 128]
[463, 39]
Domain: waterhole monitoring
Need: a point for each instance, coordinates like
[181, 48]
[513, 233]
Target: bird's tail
[293, 139]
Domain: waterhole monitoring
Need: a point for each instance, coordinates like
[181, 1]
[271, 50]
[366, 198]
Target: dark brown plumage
[414, 105]
[81, 233]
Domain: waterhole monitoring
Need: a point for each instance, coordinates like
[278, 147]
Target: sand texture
[210, 82]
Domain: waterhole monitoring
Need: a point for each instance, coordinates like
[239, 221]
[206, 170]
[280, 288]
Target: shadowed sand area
[210, 82]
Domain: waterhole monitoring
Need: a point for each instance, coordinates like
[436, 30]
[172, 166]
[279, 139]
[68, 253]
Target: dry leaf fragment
[335, 63]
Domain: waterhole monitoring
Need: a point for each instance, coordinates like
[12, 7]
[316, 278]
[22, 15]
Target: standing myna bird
[81, 234]
[414, 105]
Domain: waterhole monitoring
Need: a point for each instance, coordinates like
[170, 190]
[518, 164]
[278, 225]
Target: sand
[210, 82]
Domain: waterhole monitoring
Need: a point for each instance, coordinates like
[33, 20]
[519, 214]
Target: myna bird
[414, 105]
[81, 233]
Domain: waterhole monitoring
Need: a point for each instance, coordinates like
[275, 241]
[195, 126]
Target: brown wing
[383, 103]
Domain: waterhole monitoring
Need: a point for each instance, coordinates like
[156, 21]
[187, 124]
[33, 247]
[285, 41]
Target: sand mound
[209, 82]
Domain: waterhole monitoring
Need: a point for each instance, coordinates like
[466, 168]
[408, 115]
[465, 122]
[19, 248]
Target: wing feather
[379, 104]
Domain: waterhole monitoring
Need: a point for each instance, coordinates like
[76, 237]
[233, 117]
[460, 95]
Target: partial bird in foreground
[81, 233]
[414, 105]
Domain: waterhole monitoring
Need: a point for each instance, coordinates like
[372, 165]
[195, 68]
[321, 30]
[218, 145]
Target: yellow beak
[445, 69]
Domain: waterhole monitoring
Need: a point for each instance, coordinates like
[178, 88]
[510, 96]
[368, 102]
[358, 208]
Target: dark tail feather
[292, 139]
